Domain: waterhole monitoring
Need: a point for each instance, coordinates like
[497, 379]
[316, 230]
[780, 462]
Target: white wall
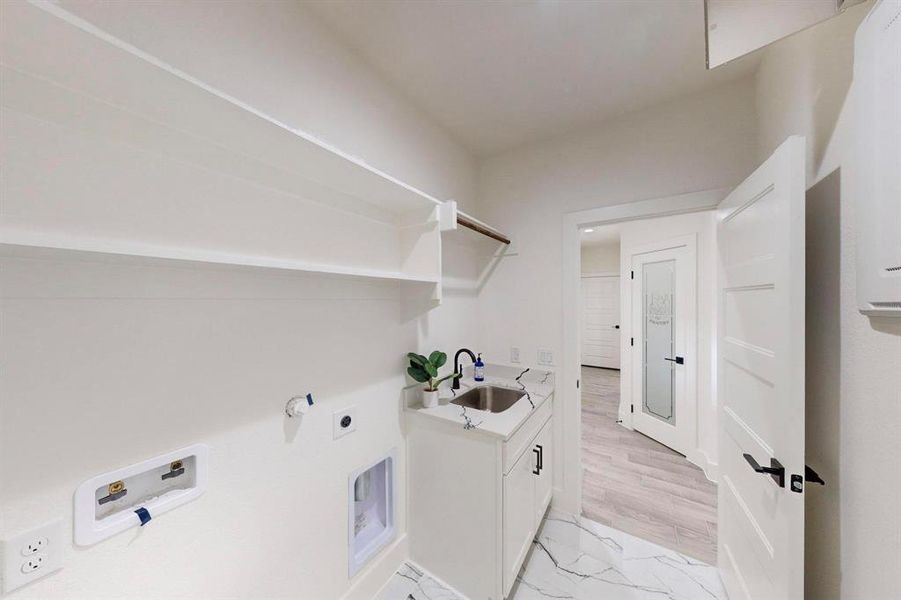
[805, 87]
[108, 364]
[600, 258]
[279, 58]
[701, 142]
[702, 226]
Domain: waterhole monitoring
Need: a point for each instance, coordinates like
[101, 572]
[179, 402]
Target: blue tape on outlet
[310, 399]
[144, 515]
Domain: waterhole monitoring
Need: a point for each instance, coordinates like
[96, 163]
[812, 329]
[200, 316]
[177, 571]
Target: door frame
[596, 275]
[688, 373]
[567, 411]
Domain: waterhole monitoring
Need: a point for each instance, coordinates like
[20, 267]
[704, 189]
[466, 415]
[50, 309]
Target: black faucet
[455, 384]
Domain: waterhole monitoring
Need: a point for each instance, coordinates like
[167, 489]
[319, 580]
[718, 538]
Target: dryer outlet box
[344, 421]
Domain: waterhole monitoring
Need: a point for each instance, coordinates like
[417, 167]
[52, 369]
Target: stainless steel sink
[488, 397]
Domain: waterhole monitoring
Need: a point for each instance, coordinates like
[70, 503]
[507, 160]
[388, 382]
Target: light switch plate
[19, 555]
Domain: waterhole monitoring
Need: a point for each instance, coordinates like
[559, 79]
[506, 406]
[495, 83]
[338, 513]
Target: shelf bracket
[447, 216]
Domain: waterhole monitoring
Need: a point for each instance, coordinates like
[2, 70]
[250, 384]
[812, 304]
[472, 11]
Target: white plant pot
[429, 399]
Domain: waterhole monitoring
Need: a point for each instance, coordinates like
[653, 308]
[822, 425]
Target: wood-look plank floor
[632, 483]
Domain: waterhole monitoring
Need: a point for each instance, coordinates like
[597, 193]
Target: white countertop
[537, 384]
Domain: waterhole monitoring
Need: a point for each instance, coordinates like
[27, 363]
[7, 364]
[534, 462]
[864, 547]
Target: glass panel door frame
[681, 434]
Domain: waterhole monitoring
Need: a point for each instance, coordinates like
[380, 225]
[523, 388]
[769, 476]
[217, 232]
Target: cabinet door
[519, 515]
[544, 481]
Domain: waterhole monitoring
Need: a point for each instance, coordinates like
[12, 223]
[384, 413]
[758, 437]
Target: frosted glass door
[659, 287]
[662, 353]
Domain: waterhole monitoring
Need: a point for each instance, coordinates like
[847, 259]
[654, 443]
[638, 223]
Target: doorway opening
[638, 361]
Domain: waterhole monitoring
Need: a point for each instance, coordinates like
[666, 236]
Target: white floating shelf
[125, 253]
[107, 149]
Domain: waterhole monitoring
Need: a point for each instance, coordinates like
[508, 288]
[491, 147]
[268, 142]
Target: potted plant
[425, 370]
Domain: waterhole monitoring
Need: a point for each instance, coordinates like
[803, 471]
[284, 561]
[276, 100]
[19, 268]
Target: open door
[761, 380]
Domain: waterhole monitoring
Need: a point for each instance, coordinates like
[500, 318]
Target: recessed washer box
[110, 503]
[370, 517]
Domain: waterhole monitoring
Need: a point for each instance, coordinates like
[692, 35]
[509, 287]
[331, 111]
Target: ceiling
[504, 73]
[600, 235]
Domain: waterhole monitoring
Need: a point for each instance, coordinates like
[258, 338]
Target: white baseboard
[374, 577]
[418, 567]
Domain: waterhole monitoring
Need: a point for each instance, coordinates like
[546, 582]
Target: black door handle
[775, 470]
[537, 470]
[678, 360]
[540, 456]
[812, 476]
[616, 326]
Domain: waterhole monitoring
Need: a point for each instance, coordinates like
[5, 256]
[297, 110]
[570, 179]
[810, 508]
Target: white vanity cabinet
[476, 499]
[527, 494]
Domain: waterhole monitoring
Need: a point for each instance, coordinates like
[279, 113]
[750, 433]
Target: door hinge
[577, 384]
[633, 274]
[632, 408]
[631, 341]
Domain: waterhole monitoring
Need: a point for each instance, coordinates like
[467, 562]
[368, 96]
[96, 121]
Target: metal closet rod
[479, 228]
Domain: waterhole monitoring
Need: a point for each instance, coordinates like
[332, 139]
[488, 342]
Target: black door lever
[812, 476]
[797, 482]
[678, 360]
[775, 470]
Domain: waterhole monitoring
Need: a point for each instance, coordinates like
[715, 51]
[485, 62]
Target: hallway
[632, 483]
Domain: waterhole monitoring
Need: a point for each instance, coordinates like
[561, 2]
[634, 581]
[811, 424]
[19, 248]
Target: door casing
[567, 411]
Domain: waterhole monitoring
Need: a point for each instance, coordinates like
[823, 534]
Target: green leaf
[417, 359]
[430, 369]
[418, 374]
[438, 358]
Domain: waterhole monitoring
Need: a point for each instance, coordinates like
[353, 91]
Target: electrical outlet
[545, 356]
[31, 555]
[344, 422]
[35, 545]
[514, 355]
[32, 563]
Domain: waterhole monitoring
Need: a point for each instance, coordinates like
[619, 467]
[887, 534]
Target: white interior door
[664, 317]
[600, 321]
[761, 380]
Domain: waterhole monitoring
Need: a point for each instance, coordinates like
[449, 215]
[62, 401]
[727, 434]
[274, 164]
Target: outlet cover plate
[14, 554]
[514, 355]
[545, 356]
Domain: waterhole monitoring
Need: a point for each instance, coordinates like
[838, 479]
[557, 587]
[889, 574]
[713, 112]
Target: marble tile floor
[576, 558]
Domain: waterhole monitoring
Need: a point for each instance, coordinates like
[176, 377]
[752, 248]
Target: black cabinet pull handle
[537, 470]
[616, 326]
[540, 456]
[775, 470]
[678, 360]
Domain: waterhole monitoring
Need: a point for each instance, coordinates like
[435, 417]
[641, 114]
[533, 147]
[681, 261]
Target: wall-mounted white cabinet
[107, 149]
[875, 169]
[478, 500]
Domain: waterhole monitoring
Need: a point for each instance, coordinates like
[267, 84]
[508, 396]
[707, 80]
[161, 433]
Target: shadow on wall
[822, 524]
